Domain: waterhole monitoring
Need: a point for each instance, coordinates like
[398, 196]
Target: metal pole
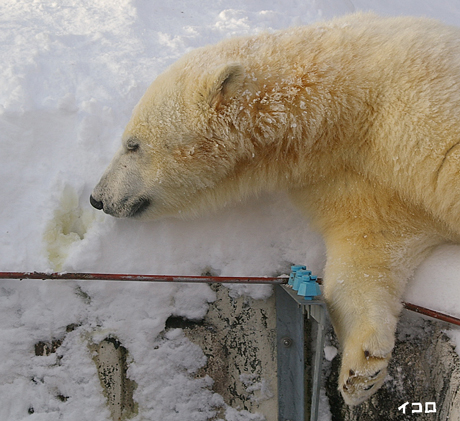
[432, 313]
[204, 279]
[290, 322]
[54, 276]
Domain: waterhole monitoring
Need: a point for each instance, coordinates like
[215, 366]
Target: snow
[71, 72]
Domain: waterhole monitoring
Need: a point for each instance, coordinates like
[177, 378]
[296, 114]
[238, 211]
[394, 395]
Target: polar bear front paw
[361, 376]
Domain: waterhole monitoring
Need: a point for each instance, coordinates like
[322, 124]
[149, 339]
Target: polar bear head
[184, 149]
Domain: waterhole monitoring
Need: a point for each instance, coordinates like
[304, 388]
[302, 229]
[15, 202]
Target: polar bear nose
[95, 203]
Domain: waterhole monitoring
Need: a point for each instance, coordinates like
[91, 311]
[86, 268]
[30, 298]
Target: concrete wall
[239, 338]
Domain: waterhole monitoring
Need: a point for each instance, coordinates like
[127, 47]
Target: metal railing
[63, 276]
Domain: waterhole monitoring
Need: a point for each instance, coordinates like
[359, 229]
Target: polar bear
[357, 118]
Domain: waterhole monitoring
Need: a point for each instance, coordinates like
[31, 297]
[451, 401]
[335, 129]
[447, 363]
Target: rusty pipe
[432, 313]
[140, 278]
[198, 279]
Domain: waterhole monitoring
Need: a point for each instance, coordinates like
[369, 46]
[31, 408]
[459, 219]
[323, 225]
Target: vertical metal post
[291, 358]
[290, 318]
[318, 313]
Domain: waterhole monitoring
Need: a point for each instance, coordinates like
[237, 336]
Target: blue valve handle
[304, 282]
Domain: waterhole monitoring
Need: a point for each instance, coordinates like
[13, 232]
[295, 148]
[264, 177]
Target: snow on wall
[71, 72]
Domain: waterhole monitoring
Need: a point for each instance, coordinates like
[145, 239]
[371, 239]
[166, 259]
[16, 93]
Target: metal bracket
[291, 312]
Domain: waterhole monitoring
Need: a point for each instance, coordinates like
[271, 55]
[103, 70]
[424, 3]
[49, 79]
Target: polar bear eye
[132, 145]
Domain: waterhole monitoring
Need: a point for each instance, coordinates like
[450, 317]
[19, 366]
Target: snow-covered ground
[71, 71]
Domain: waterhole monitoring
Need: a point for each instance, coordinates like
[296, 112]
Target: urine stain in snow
[69, 225]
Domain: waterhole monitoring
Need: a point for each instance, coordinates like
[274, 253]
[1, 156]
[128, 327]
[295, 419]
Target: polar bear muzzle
[131, 210]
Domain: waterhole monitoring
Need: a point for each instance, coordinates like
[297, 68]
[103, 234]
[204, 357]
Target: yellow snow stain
[69, 226]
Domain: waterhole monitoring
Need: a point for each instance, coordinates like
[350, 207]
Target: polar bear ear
[225, 84]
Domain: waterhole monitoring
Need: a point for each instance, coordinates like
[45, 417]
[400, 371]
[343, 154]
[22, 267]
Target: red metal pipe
[140, 278]
[432, 313]
[201, 279]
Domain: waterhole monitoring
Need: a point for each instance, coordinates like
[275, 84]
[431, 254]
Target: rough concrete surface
[238, 335]
[424, 369]
[110, 359]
